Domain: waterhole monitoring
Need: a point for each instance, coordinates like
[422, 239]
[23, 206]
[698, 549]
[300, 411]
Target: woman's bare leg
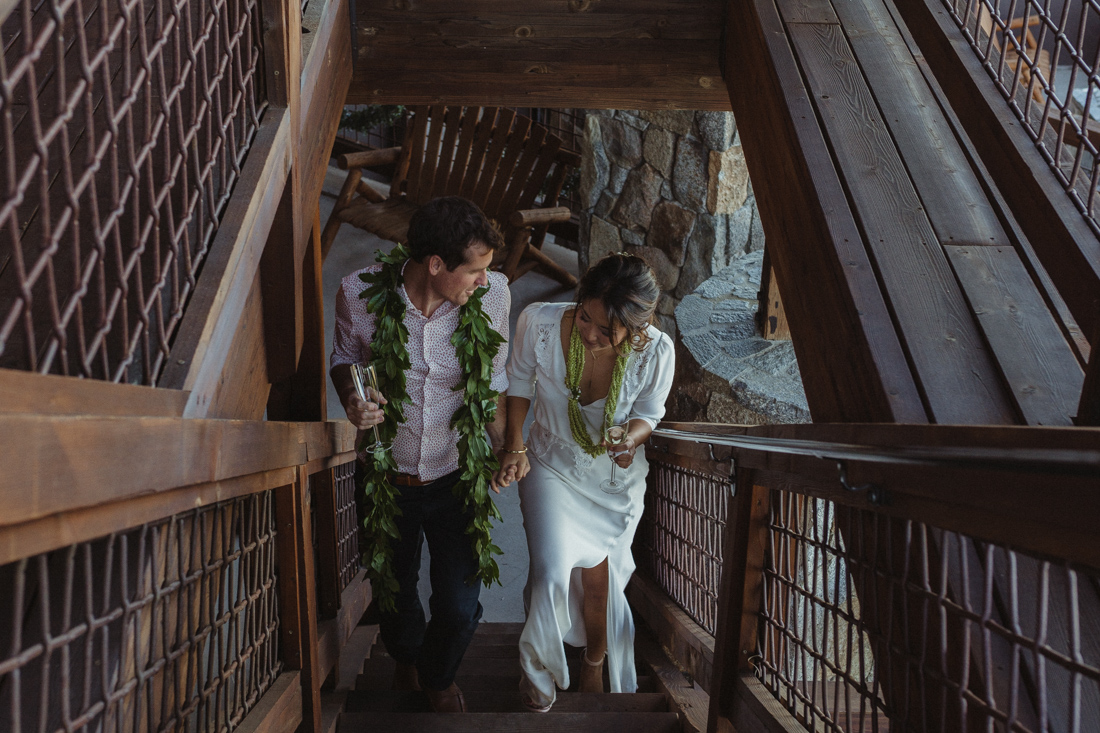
[594, 582]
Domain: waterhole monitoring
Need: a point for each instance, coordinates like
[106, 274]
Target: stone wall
[673, 187]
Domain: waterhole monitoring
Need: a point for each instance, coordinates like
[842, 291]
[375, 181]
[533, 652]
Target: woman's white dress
[570, 522]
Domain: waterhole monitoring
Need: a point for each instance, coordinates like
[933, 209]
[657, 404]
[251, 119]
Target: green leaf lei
[476, 344]
[574, 366]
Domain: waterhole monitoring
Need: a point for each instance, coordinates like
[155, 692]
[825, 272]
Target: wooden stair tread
[509, 722]
[508, 700]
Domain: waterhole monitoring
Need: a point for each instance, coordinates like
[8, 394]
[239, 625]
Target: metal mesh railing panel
[679, 540]
[870, 623]
[347, 523]
[1044, 58]
[123, 127]
[170, 626]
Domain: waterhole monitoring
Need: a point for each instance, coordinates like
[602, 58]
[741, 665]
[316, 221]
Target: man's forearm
[342, 381]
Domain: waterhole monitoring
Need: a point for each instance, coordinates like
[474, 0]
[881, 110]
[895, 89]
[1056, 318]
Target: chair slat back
[465, 146]
[517, 140]
[492, 156]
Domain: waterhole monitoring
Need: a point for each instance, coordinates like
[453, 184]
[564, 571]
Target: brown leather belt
[406, 479]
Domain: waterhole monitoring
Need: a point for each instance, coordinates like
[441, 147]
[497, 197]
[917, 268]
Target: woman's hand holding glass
[621, 452]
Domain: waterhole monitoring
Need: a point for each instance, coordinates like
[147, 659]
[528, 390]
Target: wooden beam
[690, 647]
[995, 503]
[279, 710]
[756, 710]
[49, 394]
[774, 318]
[1063, 241]
[610, 54]
[62, 529]
[325, 79]
[323, 489]
[956, 373]
[1035, 360]
[61, 464]
[312, 677]
[333, 634]
[739, 595]
[214, 313]
[684, 698]
[303, 396]
[854, 367]
[1088, 407]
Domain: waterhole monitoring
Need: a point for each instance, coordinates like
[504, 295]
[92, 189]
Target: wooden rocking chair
[498, 159]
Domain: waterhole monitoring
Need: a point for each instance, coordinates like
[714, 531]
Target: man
[451, 246]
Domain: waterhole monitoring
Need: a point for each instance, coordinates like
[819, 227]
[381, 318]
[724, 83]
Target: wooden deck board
[958, 378]
[851, 357]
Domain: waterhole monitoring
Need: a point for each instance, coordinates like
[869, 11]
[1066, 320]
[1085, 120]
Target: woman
[589, 365]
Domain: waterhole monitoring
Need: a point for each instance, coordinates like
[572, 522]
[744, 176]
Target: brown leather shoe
[405, 678]
[447, 701]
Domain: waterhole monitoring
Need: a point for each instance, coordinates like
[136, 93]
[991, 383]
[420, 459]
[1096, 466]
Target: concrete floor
[354, 249]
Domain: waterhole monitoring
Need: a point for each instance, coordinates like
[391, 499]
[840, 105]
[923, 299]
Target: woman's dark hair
[446, 227]
[628, 289]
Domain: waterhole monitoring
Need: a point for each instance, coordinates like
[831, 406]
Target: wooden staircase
[489, 678]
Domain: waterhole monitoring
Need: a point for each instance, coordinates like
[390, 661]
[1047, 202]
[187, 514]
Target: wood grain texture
[326, 74]
[957, 376]
[213, 315]
[1064, 243]
[575, 86]
[279, 710]
[691, 703]
[67, 528]
[953, 198]
[853, 366]
[689, 645]
[243, 387]
[62, 464]
[738, 598]
[604, 54]
[1038, 364]
[756, 710]
[994, 501]
[389, 23]
[49, 394]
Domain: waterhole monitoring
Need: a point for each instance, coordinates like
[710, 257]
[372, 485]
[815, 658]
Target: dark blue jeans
[436, 648]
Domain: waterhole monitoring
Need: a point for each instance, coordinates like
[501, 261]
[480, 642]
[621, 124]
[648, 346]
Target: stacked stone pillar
[671, 186]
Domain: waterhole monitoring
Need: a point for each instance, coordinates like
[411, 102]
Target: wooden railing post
[328, 557]
[297, 594]
[739, 597]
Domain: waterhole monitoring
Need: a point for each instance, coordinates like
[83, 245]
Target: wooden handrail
[956, 523]
[957, 484]
[67, 479]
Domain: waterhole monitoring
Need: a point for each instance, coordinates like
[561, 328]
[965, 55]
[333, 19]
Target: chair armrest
[530, 217]
[369, 158]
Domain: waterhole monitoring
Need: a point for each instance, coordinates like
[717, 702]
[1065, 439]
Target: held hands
[364, 414]
[623, 453]
[513, 467]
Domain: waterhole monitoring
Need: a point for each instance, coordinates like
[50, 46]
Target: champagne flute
[365, 375]
[614, 435]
